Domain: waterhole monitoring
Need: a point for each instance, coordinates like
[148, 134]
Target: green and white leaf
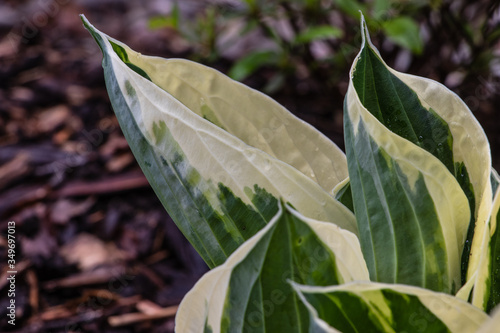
[217, 153]
[402, 149]
[484, 286]
[470, 147]
[251, 292]
[379, 307]
[470, 150]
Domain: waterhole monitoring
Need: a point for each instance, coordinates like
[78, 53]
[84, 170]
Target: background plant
[309, 38]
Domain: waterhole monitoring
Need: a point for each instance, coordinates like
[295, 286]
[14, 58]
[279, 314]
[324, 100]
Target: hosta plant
[399, 234]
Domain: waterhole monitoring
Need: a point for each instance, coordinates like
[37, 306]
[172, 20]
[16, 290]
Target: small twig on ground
[34, 295]
[132, 318]
[123, 182]
[84, 279]
[20, 268]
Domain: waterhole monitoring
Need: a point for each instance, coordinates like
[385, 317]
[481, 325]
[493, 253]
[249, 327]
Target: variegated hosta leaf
[471, 153]
[250, 292]
[485, 283]
[218, 154]
[403, 151]
[434, 118]
[379, 307]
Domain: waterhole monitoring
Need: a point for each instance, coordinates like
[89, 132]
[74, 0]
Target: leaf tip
[96, 34]
[365, 35]
[85, 21]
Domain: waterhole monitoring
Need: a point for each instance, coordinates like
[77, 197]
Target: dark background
[93, 243]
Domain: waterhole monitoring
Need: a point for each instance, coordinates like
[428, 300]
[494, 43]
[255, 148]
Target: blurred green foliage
[299, 28]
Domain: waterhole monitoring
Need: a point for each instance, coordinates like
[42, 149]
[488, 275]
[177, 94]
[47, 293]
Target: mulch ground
[95, 250]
